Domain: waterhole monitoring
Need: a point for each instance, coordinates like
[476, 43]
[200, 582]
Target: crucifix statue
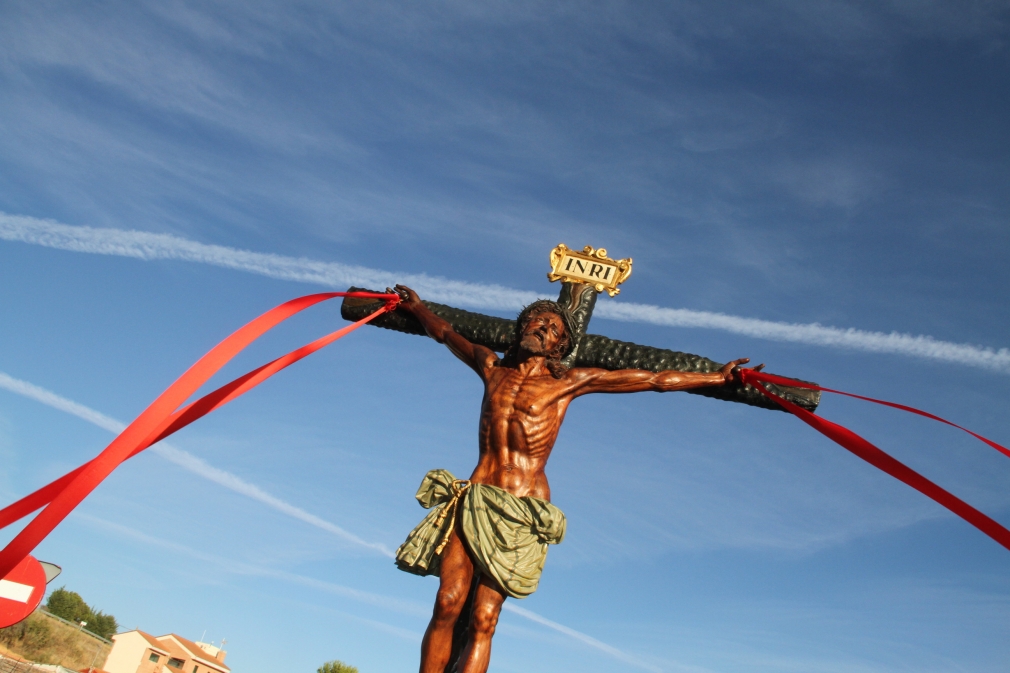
[486, 537]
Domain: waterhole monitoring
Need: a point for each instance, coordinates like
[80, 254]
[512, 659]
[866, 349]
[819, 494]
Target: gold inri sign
[589, 266]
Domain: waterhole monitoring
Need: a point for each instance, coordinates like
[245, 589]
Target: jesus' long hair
[560, 350]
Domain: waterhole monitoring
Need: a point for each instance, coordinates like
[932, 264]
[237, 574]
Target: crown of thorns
[552, 307]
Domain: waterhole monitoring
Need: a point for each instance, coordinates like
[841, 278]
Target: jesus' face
[542, 333]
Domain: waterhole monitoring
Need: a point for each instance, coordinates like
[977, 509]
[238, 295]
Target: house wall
[148, 666]
[127, 650]
[130, 653]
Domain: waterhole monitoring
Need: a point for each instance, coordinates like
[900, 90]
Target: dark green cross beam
[591, 350]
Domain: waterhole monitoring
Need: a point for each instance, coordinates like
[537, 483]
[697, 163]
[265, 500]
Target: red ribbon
[163, 418]
[874, 456]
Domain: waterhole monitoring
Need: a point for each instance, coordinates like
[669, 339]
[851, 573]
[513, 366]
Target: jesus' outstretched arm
[591, 380]
[475, 356]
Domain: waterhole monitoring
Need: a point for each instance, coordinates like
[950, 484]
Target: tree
[336, 667]
[70, 606]
[102, 625]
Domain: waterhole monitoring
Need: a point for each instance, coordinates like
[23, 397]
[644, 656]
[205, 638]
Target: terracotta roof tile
[172, 647]
[151, 640]
[194, 650]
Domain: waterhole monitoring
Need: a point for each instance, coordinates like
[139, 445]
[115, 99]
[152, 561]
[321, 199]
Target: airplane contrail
[148, 246]
[187, 461]
[394, 604]
[581, 637]
[235, 483]
[405, 607]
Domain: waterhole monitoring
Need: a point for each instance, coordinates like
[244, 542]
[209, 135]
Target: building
[139, 652]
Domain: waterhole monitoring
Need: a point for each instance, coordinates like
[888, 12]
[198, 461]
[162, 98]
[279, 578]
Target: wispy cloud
[149, 246]
[581, 637]
[232, 482]
[379, 600]
[814, 334]
[241, 568]
[187, 461]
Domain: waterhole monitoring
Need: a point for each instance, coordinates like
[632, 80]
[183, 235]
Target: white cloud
[387, 602]
[187, 461]
[241, 568]
[581, 637]
[232, 482]
[148, 246]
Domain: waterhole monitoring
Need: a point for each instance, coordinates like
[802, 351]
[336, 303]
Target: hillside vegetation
[46, 640]
[70, 606]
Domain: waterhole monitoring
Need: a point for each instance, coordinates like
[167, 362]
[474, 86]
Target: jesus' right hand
[408, 298]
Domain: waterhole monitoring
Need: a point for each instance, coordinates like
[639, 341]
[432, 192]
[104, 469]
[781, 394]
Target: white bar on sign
[15, 591]
[594, 271]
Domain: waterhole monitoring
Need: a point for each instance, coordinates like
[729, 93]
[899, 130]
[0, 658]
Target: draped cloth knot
[448, 512]
[507, 536]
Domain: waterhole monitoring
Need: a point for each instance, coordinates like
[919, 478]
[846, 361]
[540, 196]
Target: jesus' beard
[533, 344]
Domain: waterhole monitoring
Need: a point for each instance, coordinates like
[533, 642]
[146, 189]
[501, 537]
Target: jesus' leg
[487, 604]
[454, 585]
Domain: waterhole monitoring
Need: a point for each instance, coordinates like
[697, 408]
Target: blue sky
[780, 172]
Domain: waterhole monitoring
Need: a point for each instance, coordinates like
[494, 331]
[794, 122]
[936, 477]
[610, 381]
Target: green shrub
[31, 633]
[70, 606]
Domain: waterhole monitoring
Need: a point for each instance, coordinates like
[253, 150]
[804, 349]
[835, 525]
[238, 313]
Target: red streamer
[782, 381]
[874, 456]
[159, 421]
[163, 418]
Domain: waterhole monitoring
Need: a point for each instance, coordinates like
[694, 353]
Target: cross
[486, 537]
[579, 291]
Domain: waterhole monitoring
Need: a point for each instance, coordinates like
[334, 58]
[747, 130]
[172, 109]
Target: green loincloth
[507, 535]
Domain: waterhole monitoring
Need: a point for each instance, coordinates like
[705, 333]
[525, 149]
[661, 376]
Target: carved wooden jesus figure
[507, 497]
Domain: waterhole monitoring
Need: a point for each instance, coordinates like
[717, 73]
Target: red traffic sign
[21, 591]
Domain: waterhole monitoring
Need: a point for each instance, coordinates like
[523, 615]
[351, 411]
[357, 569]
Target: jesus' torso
[520, 417]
